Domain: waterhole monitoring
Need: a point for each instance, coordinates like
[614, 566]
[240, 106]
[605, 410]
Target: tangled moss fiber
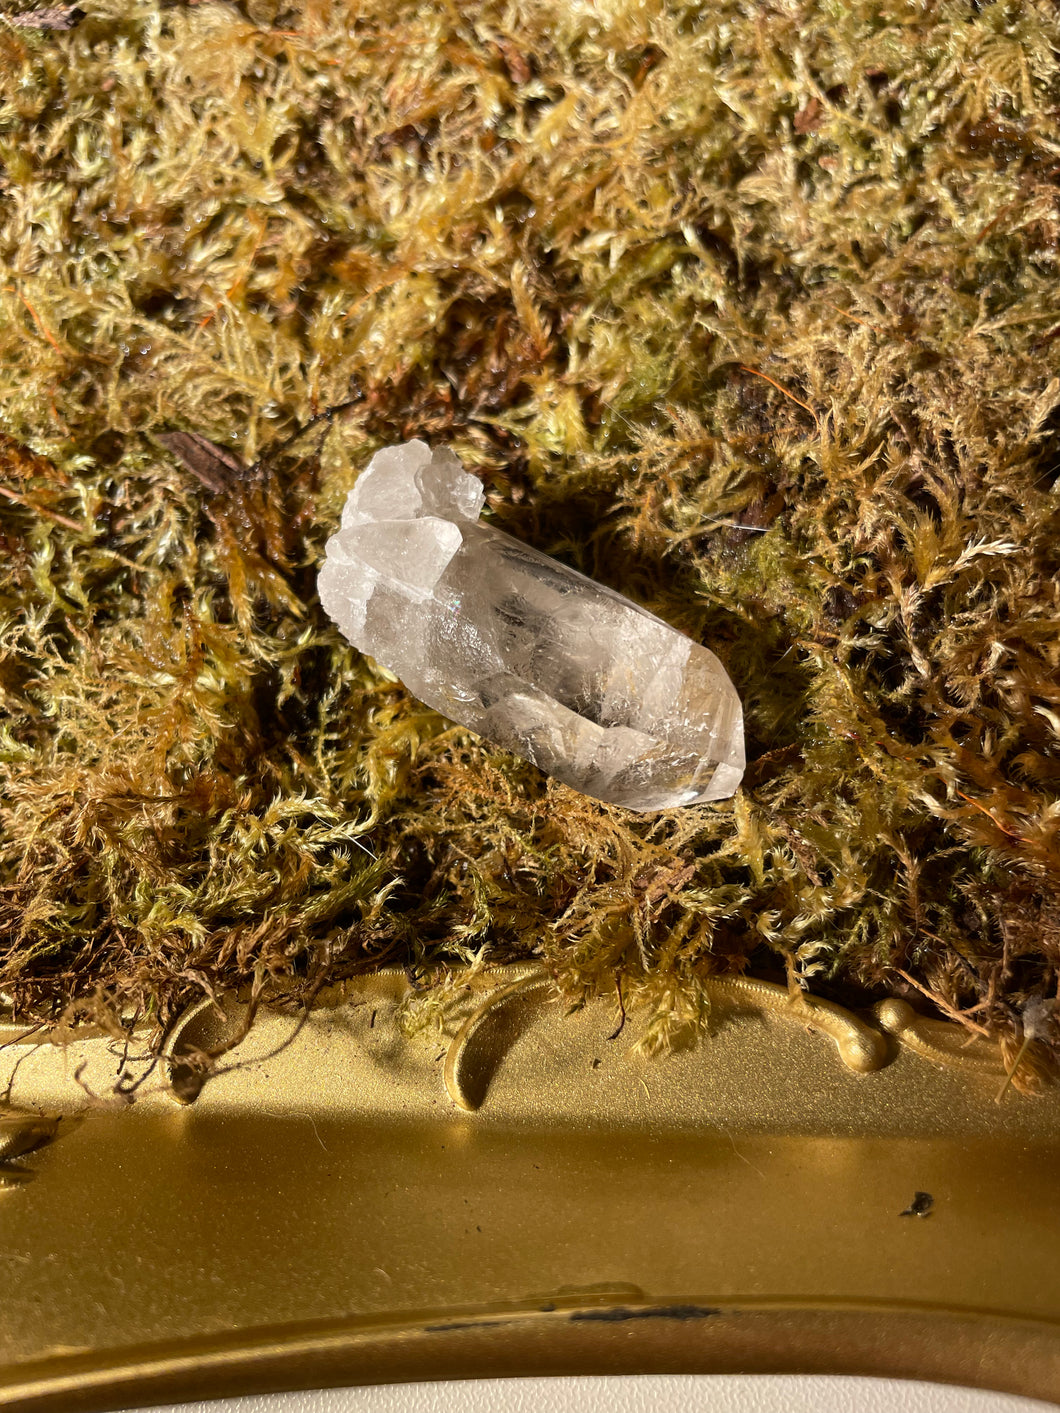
[749, 310]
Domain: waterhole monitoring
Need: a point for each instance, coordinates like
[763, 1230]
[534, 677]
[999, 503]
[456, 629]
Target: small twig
[41, 509]
[54, 17]
[991, 226]
[983, 810]
[954, 1014]
[43, 328]
[1010, 1074]
[210, 464]
[622, 1009]
[781, 388]
[328, 415]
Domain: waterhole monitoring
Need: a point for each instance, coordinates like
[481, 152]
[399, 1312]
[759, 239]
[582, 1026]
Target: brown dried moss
[749, 310]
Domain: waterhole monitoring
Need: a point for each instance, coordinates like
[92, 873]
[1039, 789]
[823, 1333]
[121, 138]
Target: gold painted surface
[324, 1213]
[496, 1021]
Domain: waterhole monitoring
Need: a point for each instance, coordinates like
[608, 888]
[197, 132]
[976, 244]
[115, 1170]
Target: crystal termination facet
[530, 654]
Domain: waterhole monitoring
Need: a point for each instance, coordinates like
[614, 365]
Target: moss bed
[749, 310]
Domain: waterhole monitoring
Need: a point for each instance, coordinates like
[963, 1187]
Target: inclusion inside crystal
[534, 656]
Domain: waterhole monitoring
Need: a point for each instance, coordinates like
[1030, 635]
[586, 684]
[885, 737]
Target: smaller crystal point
[532, 655]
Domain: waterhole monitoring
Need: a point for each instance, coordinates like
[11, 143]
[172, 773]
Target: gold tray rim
[984, 1350]
[1010, 1344]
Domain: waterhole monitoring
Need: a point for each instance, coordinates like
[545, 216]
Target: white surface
[673, 1393]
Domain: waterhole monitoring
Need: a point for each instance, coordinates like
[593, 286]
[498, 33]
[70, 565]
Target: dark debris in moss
[748, 310]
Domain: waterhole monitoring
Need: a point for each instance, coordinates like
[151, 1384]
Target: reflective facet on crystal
[530, 654]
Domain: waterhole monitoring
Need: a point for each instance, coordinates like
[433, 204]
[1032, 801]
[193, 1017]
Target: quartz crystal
[532, 655]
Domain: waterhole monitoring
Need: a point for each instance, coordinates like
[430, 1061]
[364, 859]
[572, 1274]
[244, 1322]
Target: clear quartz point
[532, 655]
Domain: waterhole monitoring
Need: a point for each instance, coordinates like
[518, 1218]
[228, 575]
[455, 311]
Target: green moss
[747, 310]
